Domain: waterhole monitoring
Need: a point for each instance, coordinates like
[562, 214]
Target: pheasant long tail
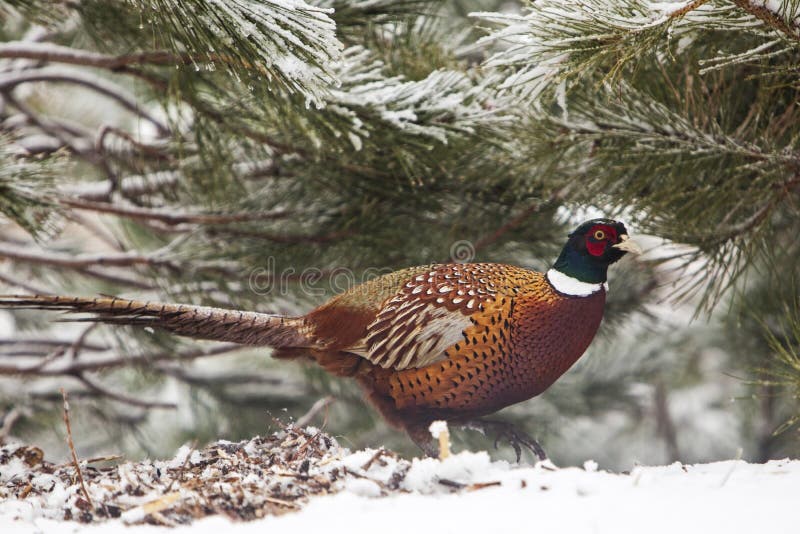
[199, 322]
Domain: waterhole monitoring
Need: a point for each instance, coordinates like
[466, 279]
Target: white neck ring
[573, 287]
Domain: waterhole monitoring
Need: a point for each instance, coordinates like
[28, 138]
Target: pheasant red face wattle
[599, 238]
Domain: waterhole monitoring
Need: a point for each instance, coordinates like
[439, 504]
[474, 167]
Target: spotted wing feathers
[429, 314]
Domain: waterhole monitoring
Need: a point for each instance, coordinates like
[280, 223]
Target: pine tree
[265, 154]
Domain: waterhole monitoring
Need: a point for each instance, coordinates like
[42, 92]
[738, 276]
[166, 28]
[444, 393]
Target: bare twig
[151, 507]
[133, 401]
[177, 371]
[72, 449]
[9, 420]
[34, 342]
[48, 52]
[451, 483]
[51, 128]
[78, 77]
[74, 367]
[54, 355]
[106, 458]
[378, 454]
[37, 290]
[282, 502]
[664, 423]
[182, 470]
[64, 54]
[156, 151]
[317, 407]
[278, 238]
[94, 226]
[81, 261]
[145, 184]
[129, 186]
[77, 346]
[116, 278]
[170, 216]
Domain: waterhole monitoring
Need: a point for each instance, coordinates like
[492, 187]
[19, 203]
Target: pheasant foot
[502, 430]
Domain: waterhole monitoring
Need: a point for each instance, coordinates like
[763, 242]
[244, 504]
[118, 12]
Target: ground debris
[267, 475]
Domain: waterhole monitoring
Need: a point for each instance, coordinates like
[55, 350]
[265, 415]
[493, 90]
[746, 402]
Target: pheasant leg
[502, 430]
[421, 436]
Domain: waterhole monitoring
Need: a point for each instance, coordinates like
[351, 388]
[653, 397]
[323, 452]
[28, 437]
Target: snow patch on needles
[442, 105]
[296, 38]
[789, 10]
[289, 42]
[554, 41]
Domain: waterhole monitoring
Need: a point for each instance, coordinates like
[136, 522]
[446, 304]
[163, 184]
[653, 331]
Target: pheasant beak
[628, 245]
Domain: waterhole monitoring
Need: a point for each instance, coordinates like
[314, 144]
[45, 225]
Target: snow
[549, 42]
[788, 10]
[467, 492]
[438, 428]
[362, 487]
[444, 104]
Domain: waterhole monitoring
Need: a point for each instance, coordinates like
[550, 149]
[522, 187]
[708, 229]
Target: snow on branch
[781, 15]
[362, 12]
[553, 42]
[289, 42]
[446, 103]
[654, 140]
[652, 158]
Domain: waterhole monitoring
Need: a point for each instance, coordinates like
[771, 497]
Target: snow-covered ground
[368, 491]
[724, 497]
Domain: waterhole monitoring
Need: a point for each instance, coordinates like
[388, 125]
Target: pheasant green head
[591, 248]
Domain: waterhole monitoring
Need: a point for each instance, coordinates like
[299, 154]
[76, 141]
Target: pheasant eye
[599, 235]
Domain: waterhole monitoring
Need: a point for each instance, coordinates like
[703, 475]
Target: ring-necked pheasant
[448, 341]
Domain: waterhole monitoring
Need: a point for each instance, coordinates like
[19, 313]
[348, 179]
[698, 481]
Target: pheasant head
[583, 263]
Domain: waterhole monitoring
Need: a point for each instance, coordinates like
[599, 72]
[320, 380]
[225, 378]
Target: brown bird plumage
[449, 341]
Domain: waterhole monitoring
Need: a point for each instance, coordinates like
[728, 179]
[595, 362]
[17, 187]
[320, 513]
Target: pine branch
[276, 47]
[27, 190]
[444, 105]
[783, 19]
[784, 341]
[619, 141]
[351, 14]
[549, 46]
[288, 45]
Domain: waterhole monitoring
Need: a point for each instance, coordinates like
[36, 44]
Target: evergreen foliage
[265, 154]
